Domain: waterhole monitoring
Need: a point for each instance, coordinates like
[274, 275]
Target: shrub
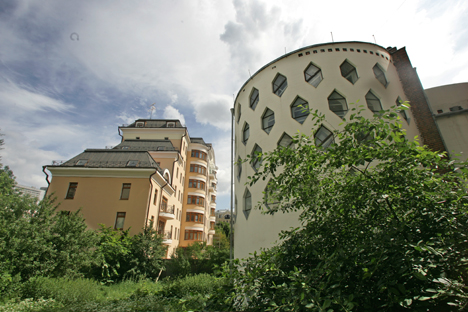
[62, 290]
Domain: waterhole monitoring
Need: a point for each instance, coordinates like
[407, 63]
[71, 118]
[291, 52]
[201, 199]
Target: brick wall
[414, 92]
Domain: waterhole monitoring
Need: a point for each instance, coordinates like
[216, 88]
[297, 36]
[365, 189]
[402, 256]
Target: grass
[83, 295]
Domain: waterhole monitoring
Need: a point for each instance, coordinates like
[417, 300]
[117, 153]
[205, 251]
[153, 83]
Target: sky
[71, 72]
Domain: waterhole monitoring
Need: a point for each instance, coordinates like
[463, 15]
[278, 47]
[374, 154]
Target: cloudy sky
[71, 72]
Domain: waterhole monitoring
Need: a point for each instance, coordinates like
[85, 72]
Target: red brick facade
[430, 135]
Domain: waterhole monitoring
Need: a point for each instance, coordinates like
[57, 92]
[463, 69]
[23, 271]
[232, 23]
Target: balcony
[212, 231]
[167, 211]
[212, 218]
[166, 236]
[212, 174]
[212, 188]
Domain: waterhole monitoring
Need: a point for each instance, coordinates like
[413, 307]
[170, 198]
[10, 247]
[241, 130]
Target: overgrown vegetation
[384, 225]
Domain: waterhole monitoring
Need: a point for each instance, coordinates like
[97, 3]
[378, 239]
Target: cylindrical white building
[327, 77]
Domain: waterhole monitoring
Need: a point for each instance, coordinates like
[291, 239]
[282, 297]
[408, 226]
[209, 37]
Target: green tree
[384, 224]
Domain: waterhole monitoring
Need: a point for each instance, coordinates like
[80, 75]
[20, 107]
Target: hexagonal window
[323, 137]
[256, 157]
[271, 195]
[247, 206]
[239, 112]
[280, 83]
[373, 102]
[245, 133]
[268, 120]
[349, 71]
[380, 75]
[337, 104]
[300, 110]
[239, 167]
[254, 97]
[403, 112]
[313, 75]
[285, 141]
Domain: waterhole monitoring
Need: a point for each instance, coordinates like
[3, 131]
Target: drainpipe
[118, 130]
[47, 178]
[149, 197]
[231, 238]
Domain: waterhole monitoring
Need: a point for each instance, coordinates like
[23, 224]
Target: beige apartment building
[449, 106]
[157, 175]
[269, 111]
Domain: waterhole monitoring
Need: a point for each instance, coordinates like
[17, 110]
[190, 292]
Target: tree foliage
[383, 224]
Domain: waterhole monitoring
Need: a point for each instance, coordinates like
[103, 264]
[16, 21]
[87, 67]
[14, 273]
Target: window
[254, 97]
[380, 75]
[313, 75]
[245, 133]
[212, 212]
[199, 154]
[197, 184]
[323, 137]
[271, 200]
[239, 168]
[403, 112]
[455, 108]
[268, 120]
[177, 173]
[212, 225]
[247, 201]
[193, 235]
[71, 190]
[198, 169]
[132, 163]
[194, 217]
[300, 110]
[119, 221]
[337, 104]
[280, 83]
[140, 124]
[155, 197]
[195, 200]
[349, 72]
[239, 112]
[213, 199]
[256, 157]
[285, 140]
[81, 162]
[373, 102]
[125, 191]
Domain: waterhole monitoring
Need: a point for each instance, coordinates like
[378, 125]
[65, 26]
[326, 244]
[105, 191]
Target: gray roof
[156, 123]
[199, 141]
[94, 158]
[146, 145]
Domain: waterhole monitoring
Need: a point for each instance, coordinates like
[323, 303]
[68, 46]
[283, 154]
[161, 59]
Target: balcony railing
[165, 234]
[167, 208]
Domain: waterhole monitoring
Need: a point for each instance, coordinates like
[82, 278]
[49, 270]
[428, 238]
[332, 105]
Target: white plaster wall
[262, 230]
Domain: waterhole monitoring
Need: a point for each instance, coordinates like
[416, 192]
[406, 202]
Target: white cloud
[29, 101]
[172, 113]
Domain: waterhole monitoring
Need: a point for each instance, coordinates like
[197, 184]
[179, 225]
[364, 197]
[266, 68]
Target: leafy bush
[30, 305]
[384, 225]
[62, 290]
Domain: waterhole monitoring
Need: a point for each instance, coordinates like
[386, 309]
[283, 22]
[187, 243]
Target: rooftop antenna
[152, 109]
[332, 36]
[375, 41]
[250, 73]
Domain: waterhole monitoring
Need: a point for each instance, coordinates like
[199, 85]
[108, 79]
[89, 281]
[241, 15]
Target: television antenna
[152, 109]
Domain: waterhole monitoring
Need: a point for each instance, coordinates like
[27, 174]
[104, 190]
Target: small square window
[440, 111]
[330, 50]
[345, 49]
[352, 50]
[166, 138]
[365, 51]
[315, 51]
[371, 52]
[322, 50]
[71, 190]
[120, 220]
[337, 49]
[300, 54]
[137, 138]
[359, 50]
[81, 162]
[132, 163]
[308, 52]
[377, 53]
[125, 194]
